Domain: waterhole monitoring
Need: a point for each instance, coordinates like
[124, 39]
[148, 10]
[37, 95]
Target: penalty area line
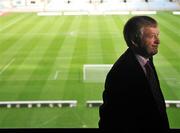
[6, 66]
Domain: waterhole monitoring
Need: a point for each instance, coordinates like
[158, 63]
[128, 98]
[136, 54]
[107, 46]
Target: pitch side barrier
[97, 103]
[29, 104]
[66, 103]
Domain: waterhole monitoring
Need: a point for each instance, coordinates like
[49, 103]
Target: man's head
[141, 35]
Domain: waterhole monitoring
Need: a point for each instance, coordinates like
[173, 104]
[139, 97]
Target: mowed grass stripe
[169, 77]
[13, 22]
[116, 24]
[120, 44]
[76, 66]
[57, 77]
[14, 43]
[166, 88]
[169, 59]
[173, 117]
[7, 18]
[170, 25]
[166, 49]
[37, 118]
[91, 41]
[28, 44]
[15, 73]
[94, 52]
[107, 44]
[60, 70]
[118, 41]
[12, 37]
[75, 89]
[13, 53]
[38, 85]
[170, 30]
[29, 64]
[13, 118]
[174, 20]
[66, 55]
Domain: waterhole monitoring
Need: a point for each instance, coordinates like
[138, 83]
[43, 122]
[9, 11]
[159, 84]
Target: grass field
[41, 58]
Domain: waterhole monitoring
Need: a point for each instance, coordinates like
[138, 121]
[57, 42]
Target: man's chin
[155, 52]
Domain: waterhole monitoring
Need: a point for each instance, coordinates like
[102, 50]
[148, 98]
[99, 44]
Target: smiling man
[132, 98]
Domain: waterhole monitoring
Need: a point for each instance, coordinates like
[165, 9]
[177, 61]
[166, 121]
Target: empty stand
[91, 6]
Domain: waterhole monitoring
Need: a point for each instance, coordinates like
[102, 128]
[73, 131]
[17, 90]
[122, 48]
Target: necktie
[150, 74]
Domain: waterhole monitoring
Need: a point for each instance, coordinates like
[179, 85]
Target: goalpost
[95, 72]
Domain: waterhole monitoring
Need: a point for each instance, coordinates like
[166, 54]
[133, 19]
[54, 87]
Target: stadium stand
[91, 6]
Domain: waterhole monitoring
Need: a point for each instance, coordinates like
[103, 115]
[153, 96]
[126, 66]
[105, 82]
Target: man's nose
[157, 41]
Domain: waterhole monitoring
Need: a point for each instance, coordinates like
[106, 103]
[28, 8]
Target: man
[132, 99]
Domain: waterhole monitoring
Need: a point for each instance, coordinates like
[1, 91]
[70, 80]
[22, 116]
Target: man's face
[149, 41]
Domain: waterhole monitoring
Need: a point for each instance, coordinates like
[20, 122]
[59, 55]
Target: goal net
[95, 72]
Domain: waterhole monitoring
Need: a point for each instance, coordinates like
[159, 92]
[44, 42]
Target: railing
[66, 103]
[29, 104]
[169, 103]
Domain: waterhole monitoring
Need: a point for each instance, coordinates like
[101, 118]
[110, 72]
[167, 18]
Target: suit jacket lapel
[140, 71]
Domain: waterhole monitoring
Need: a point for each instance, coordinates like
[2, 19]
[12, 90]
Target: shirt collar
[141, 59]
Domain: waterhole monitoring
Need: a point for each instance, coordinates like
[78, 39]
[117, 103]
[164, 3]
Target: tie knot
[148, 68]
[147, 64]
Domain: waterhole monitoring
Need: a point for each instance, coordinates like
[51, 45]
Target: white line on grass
[6, 66]
[56, 75]
[11, 23]
[50, 120]
[79, 118]
[170, 79]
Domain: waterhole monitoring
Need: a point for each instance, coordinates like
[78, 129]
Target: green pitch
[42, 58]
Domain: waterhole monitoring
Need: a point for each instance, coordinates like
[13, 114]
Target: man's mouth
[155, 46]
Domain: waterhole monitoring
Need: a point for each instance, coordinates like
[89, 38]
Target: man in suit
[132, 98]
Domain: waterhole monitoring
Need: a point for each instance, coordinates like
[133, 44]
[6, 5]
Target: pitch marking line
[6, 66]
[12, 23]
[79, 119]
[56, 75]
[48, 121]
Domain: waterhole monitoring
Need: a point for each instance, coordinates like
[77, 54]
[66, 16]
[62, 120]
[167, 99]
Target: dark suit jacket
[128, 102]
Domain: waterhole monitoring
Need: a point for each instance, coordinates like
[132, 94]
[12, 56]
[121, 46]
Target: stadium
[55, 54]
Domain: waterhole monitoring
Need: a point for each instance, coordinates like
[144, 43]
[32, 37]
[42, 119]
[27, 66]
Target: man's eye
[151, 36]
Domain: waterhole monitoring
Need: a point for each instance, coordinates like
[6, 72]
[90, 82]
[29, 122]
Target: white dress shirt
[142, 61]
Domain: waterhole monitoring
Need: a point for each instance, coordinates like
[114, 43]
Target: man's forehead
[150, 29]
